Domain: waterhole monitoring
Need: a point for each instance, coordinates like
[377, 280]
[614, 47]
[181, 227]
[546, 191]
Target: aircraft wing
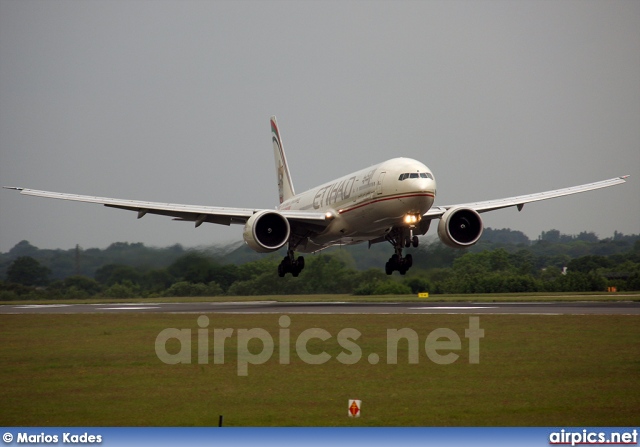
[189, 213]
[519, 201]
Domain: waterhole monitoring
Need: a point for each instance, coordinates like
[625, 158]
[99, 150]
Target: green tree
[471, 264]
[268, 283]
[585, 264]
[185, 288]
[365, 282]
[124, 289]
[117, 274]
[74, 287]
[505, 236]
[587, 237]
[552, 236]
[633, 283]
[193, 267]
[581, 282]
[418, 284]
[157, 280]
[225, 275]
[27, 271]
[391, 287]
[23, 248]
[499, 260]
[329, 274]
[523, 262]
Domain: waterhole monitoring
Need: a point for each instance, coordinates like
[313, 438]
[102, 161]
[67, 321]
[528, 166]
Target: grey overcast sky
[170, 101]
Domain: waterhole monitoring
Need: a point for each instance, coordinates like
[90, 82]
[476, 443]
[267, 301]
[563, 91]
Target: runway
[275, 307]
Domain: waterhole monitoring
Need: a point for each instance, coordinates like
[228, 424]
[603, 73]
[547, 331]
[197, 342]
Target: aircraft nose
[427, 185]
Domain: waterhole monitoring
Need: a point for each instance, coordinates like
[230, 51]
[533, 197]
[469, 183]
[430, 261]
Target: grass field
[102, 370]
[480, 297]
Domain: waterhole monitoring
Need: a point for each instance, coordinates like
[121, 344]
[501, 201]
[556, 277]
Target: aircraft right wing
[519, 201]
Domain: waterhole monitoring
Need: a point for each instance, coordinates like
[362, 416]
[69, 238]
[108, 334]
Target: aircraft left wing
[519, 201]
[190, 213]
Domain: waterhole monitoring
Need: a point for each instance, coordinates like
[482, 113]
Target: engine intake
[266, 231]
[460, 227]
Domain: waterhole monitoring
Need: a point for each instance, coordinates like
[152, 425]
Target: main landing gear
[398, 239]
[291, 265]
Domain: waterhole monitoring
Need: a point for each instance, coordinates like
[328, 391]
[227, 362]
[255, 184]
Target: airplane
[392, 201]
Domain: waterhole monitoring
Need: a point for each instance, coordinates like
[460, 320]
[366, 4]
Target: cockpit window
[415, 175]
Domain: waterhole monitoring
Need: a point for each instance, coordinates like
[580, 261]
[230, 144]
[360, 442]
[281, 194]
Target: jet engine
[266, 231]
[460, 227]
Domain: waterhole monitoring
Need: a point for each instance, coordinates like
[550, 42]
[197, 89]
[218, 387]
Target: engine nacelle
[460, 227]
[266, 231]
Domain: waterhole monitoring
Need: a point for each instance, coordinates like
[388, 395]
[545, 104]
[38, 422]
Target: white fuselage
[369, 202]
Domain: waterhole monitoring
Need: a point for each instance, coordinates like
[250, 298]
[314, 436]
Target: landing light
[411, 219]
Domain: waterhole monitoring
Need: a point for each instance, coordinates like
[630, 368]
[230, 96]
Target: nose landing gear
[411, 240]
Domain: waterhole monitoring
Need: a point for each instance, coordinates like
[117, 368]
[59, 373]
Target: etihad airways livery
[391, 201]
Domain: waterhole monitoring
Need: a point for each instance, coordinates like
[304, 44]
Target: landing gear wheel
[297, 266]
[408, 261]
[290, 265]
[388, 268]
[399, 240]
[405, 264]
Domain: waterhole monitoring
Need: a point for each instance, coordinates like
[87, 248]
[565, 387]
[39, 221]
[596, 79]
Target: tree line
[503, 262]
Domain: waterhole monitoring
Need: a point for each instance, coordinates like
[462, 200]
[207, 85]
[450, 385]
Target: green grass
[102, 370]
[486, 297]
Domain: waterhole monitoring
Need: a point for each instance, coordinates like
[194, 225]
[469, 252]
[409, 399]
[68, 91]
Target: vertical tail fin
[285, 184]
